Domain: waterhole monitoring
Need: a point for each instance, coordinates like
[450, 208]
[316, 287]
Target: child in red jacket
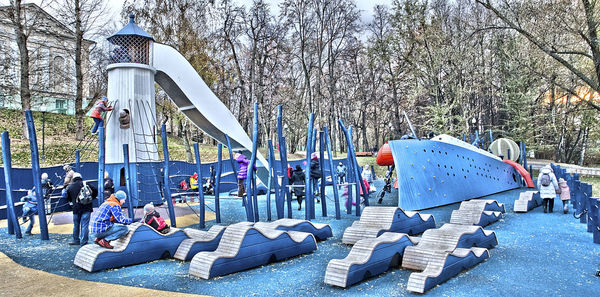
[152, 218]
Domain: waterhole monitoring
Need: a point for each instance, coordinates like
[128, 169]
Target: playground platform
[537, 253]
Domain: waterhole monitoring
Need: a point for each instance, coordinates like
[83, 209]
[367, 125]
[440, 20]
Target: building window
[61, 105]
[58, 74]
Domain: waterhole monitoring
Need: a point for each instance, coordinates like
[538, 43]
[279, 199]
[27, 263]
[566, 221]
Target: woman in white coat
[548, 185]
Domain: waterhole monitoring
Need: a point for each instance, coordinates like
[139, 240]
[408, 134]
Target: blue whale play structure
[368, 257]
[375, 220]
[478, 212]
[244, 246]
[320, 231]
[142, 244]
[199, 241]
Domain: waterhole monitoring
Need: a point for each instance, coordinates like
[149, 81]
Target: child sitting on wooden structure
[152, 218]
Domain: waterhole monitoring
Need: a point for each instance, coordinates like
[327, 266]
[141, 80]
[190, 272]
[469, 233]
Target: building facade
[51, 46]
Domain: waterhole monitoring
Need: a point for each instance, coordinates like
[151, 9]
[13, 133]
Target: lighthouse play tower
[131, 92]
[137, 62]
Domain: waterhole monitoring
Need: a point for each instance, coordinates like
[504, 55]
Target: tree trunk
[186, 142]
[78, 71]
[15, 13]
[583, 145]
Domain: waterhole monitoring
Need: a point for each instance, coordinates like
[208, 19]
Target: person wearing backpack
[80, 196]
[548, 186]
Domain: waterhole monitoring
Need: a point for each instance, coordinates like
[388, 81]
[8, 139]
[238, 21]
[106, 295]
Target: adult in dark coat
[109, 186]
[81, 212]
[297, 179]
[315, 174]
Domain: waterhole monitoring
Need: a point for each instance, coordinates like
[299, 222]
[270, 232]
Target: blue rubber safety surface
[543, 254]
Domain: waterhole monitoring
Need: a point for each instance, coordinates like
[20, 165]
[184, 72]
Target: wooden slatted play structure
[368, 257]
[199, 241]
[244, 246]
[478, 212]
[376, 220]
[141, 244]
[527, 201]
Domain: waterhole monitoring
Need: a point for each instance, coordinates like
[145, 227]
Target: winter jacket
[46, 187]
[550, 190]
[243, 161]
[367, 175]
[124, 120]
[315, 171]
[157, 223]
[565, 192]
[30, 203]
[68, 178]
[341, 170]
[98, 109]
[73, 192]
[109, 187]
[297, 179]
[108, 213]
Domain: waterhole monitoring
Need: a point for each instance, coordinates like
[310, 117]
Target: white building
[51, 47]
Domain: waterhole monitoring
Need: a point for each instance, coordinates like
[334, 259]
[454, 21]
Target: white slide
[198, 103]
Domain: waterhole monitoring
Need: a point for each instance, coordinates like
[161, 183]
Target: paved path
[18, 280]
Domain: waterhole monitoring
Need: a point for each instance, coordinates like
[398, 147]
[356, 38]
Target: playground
[537, 253]
[446, 215]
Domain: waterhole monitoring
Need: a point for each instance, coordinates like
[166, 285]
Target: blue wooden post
[471, 138]
[130, 193]
[166, 186]
[270, 179]
[531, 171]
[77, 161]
[36, 172]
[284, 192]
[464, 137]
[524, 155]
[233, 162]
[279, 202]
[218, 183]
[11, 216]
[285, 180]
[101, 159]
[313, 140]
[477, 137]
[352, 159]
[491, 137]
[508, 153]
[349, 180]
[307, 180]
[233, 167]
[251, 202]
[200, 191]
[322, 162]
[333, 177]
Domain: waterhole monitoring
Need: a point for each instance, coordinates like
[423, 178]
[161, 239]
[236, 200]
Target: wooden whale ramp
[140, 245]
[368, 257]
[245, 246]
[376, 220]
[199, 241]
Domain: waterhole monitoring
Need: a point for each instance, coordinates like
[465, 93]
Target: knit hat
[562, 180]
[120, 195]
[104, 98]
[148, 208]
[67, 167]
[314, 156]
[44, 175]
[76, 175]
